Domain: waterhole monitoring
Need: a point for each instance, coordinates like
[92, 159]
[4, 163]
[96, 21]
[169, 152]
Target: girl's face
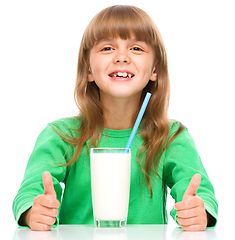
[121, 68]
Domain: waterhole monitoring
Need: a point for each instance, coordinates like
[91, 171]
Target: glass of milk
[110, 185]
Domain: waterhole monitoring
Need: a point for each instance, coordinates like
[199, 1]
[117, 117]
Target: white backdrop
[39, 45]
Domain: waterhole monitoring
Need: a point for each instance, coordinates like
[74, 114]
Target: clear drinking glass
[110, 184]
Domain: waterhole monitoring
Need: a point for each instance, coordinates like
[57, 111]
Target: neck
[120, 113]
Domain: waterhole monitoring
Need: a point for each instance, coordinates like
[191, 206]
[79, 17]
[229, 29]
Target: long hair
[124, 22]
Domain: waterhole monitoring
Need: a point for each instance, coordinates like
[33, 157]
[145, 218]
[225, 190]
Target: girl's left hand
[191, 213]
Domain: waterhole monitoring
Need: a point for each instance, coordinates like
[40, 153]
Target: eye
[107, 49]
[137, 49]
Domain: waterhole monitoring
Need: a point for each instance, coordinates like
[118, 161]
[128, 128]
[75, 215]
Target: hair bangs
[121, 21]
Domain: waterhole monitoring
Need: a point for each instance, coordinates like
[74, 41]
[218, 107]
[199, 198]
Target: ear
[153, 76]
[90, 77]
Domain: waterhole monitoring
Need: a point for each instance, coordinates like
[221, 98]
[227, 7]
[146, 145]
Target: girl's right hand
[41, 216]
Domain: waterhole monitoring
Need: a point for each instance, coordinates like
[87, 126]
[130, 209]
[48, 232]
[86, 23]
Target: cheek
[98, 66]
[145, 65]
[94, 68]
[147, 69]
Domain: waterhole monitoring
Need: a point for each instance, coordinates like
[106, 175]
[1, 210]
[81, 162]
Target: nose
[122, 57]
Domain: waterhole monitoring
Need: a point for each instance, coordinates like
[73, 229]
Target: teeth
[122, 74]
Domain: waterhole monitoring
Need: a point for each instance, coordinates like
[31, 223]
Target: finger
[190, 203]
[46, 201]
[45, 220]
[50, 203]
[193, 186]
[48, 184]
[194, 228]
[188, 221]
[38, 217]
[189, 213]
[40, 227]
[50, 212]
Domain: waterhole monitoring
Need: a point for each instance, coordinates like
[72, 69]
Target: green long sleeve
[48, 153]
[179, 162]
[182, 162]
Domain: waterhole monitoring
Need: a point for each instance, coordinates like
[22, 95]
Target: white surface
[131, 232]
[110, 183]
[39, 46]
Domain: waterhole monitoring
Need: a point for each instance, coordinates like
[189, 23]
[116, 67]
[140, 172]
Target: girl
[121, 57]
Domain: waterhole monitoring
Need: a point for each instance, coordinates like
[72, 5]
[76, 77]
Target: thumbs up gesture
[41, 216]
[191, 213]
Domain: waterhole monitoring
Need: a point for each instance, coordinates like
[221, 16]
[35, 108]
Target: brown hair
[124, 22]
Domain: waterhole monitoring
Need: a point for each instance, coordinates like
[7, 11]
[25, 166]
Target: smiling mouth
[121, 75]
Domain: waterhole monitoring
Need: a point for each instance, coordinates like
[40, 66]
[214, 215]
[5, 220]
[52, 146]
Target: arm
[42, 215]
[191, 212]
[182, 162]
[48, 153]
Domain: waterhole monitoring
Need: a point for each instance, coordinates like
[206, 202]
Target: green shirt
[180, 161]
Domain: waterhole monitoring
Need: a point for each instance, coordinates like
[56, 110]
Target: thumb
[48, 184]
[193, 187]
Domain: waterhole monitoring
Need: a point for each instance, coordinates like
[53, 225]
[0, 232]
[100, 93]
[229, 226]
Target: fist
[191, 213]
[41, 216]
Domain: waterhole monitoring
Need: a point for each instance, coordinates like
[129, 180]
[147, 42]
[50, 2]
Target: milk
[110, 183]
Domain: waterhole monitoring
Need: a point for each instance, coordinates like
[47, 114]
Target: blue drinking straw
[138, 120]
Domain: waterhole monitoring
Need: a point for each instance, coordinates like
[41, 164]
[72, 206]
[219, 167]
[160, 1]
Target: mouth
[121, 75]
